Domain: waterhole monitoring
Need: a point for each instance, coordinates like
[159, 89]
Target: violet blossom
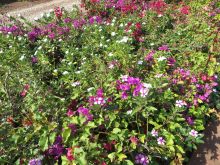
[141, 159]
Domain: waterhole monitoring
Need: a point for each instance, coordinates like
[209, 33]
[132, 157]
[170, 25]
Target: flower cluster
[132, 85]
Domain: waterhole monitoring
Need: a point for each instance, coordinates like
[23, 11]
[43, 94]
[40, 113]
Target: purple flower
[189, 120]
[141, 159]
[67, 20]
[193, 133]
[34, 60]
[161, 141]
[85, 112]
[35, 162]
[154, 133]
[57, 149]
[73, 128]
[163, 48]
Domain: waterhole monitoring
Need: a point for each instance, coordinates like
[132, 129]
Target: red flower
[185, 10]
[58, 12]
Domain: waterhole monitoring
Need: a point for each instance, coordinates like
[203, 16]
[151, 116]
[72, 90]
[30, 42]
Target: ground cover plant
[124, 82]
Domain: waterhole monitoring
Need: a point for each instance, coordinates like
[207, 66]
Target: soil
[10, 5]
[209, 152]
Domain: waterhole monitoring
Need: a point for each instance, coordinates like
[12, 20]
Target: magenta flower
[34, 60]
[141, 159]
[161, 141]
[149, 56]
[163, 48]
[85, 112]
[193, 133]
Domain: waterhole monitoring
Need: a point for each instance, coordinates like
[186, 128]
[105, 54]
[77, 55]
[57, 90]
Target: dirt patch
[10, 5]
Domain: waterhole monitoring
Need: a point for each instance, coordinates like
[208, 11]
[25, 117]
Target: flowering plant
[112, 85]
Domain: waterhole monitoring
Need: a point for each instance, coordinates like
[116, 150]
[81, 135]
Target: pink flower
[134, 140]
[185, 10]
[161, 141]
[69, 154]
[180, 103]
[154, 133]
[70, 113]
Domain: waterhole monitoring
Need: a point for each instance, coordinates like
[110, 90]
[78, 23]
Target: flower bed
[127, 82]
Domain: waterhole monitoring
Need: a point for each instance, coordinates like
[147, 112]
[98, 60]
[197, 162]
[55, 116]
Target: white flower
[110, 54]
[107, 40]
[154, 133]
[159, 15]
[121, 25]
[22, 57]
[124, 78]
[124, 39]
[100, 30]
[144, 91]
[102, 37]
[48, 15]
[147, 85]
[111, 66]
[55, 70]
[65, 73]
[36, 18]
[140, 62]
[158, 75]
[51, 10]
[151, 44]
[100, 45]
[129, 112]
[113, 34]
[74, 84]
[193, 133]
[19, 15]
[78, 72]
[89, 89]
[161, 58]
[39, 48]
[180, 103]
[45, 40]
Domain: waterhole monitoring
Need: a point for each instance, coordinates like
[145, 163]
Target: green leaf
[121, 156]
[43, 142]
[128, 162]
[111, 156]
[180, 149]
[66, 134]
[116, 130]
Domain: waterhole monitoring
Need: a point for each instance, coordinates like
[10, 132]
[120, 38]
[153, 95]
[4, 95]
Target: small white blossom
[74, 84]
[113, 34]
[140, 62]
[89, 89]
[193, 133]
[129, 112]
[161, 58]
[22, 57]
[65, 73]
[110, 54]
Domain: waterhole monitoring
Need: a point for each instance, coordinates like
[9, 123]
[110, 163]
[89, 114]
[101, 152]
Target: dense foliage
[124, 82]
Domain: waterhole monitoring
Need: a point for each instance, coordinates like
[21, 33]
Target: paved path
[209, 152]
[35, 11]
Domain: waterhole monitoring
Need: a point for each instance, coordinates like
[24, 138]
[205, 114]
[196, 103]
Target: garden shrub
[126, 82]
